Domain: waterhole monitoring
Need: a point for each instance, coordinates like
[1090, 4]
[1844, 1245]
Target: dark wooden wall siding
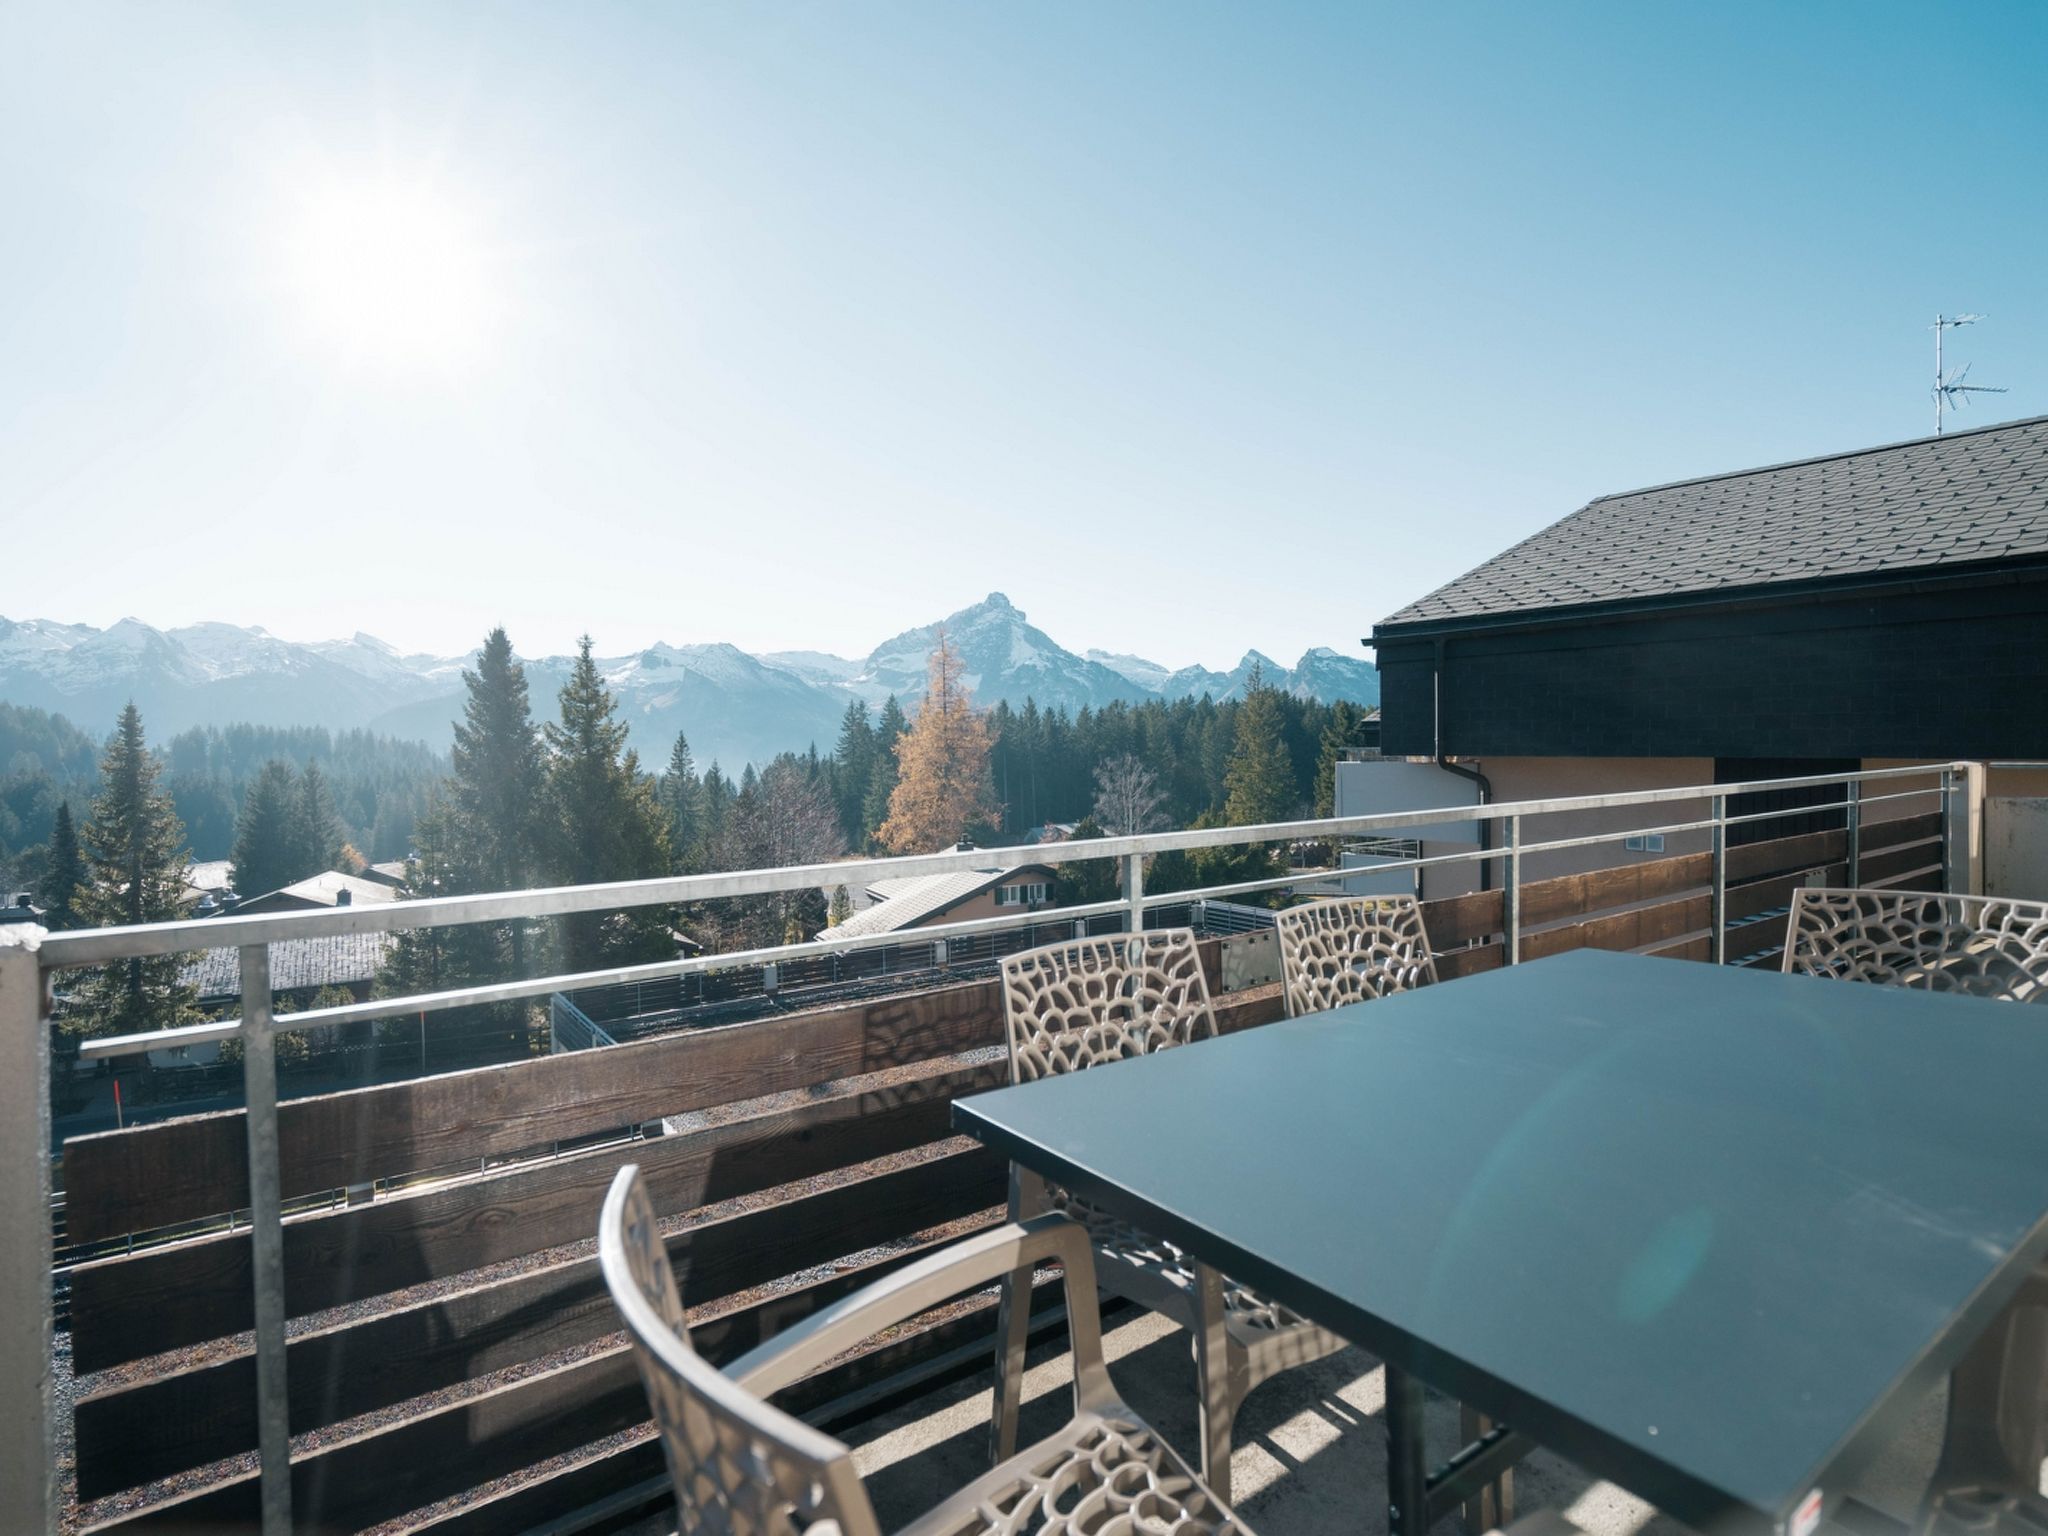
[1941, 674]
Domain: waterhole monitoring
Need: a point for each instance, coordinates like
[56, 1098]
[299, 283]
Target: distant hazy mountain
[736, 707]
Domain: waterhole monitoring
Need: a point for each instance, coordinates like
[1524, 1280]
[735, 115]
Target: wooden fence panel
[1454, 919]
[187, 1169]
[165, 1298]
[356, 1483]
[129, 1434]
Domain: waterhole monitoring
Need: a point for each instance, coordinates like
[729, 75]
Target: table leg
[1013, 1323]
[1997, 1436]
[1407, 1463]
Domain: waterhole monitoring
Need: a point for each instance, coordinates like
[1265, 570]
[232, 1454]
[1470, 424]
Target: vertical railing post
[1962, 829]
[266, 1241]
[1853, 812]
[1134, 890]
[1511, 893]
[1948, 841]
[28, 1446]
[1718, 904]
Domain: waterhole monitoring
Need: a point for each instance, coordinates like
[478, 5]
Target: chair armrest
[964, 1266]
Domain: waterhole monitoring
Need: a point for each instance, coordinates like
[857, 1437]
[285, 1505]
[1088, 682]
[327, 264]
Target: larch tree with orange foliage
[943, 785]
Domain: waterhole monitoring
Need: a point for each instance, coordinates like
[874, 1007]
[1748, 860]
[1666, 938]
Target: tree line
[376, 786]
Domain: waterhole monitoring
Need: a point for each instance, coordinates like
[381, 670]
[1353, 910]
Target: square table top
[1707, 1231]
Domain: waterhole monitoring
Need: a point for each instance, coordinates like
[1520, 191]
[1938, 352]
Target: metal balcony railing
[29, 961]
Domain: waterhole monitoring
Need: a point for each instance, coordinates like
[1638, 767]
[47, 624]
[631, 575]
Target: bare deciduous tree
[1127, 797]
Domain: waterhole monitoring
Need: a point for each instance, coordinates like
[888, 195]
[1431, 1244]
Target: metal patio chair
[1983, 946]
[1072, 1006]
[1352, 949]
[743, 1467]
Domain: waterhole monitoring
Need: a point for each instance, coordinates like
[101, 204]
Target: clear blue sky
[1190, 326]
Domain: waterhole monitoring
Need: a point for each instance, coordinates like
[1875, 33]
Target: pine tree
[604, 822]
[266, 853]
[135, 869]
[714, 806]
[1260, 775]
[477, 832]
[855, 760]
[495, 783]
[1341, 732]
[882, 775]
[943, 785]
[315, 830]
[840, 909]
[680, 796]
[63, 874]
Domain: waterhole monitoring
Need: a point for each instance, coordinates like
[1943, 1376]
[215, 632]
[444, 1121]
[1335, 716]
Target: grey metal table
[1710, 1233]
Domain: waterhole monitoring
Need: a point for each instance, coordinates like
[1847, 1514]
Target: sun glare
[391, 277]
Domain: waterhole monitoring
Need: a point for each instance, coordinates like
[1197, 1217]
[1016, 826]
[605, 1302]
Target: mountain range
[735, 706]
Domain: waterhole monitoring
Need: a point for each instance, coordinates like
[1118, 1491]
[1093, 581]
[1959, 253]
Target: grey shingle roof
[1930, 503]
[332, 961]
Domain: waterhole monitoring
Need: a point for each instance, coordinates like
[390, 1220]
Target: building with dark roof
[1870, 609]
[1886, 603]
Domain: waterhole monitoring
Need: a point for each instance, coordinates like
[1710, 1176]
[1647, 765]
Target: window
[1644, 842]
[1029, 895]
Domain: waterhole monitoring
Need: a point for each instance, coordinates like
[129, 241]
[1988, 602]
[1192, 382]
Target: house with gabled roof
[1874, 608]
[921, 901]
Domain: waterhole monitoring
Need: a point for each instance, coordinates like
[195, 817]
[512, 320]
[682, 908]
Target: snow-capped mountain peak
[736, 707]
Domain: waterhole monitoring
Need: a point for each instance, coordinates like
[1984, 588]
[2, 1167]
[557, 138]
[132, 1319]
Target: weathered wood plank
[1562, 896]
[130, 1435]
[1470, 962]
[181, 1170]
[1754, 860]
[1890, 864]
[1453, 919]
[1249, 1009]
[377, 1477]
[1638, 928]
[1906, 829]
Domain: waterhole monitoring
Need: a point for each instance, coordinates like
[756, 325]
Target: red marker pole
[117, 1104]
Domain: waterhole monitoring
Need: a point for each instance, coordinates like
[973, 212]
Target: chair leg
[1493, 1507]
[1013, 1324]
[1217, 1382]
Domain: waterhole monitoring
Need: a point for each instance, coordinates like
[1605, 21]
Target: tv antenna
[1949, 389]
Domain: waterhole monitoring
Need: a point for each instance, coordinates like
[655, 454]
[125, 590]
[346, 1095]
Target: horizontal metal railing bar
[653, 970]
[113, 1046]
[513, 991]
[62, 951]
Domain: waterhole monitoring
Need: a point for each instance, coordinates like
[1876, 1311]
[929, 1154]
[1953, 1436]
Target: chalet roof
[1934, 503]
[326, 889]
[909, 901]
[215, 875]
[335, 960]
